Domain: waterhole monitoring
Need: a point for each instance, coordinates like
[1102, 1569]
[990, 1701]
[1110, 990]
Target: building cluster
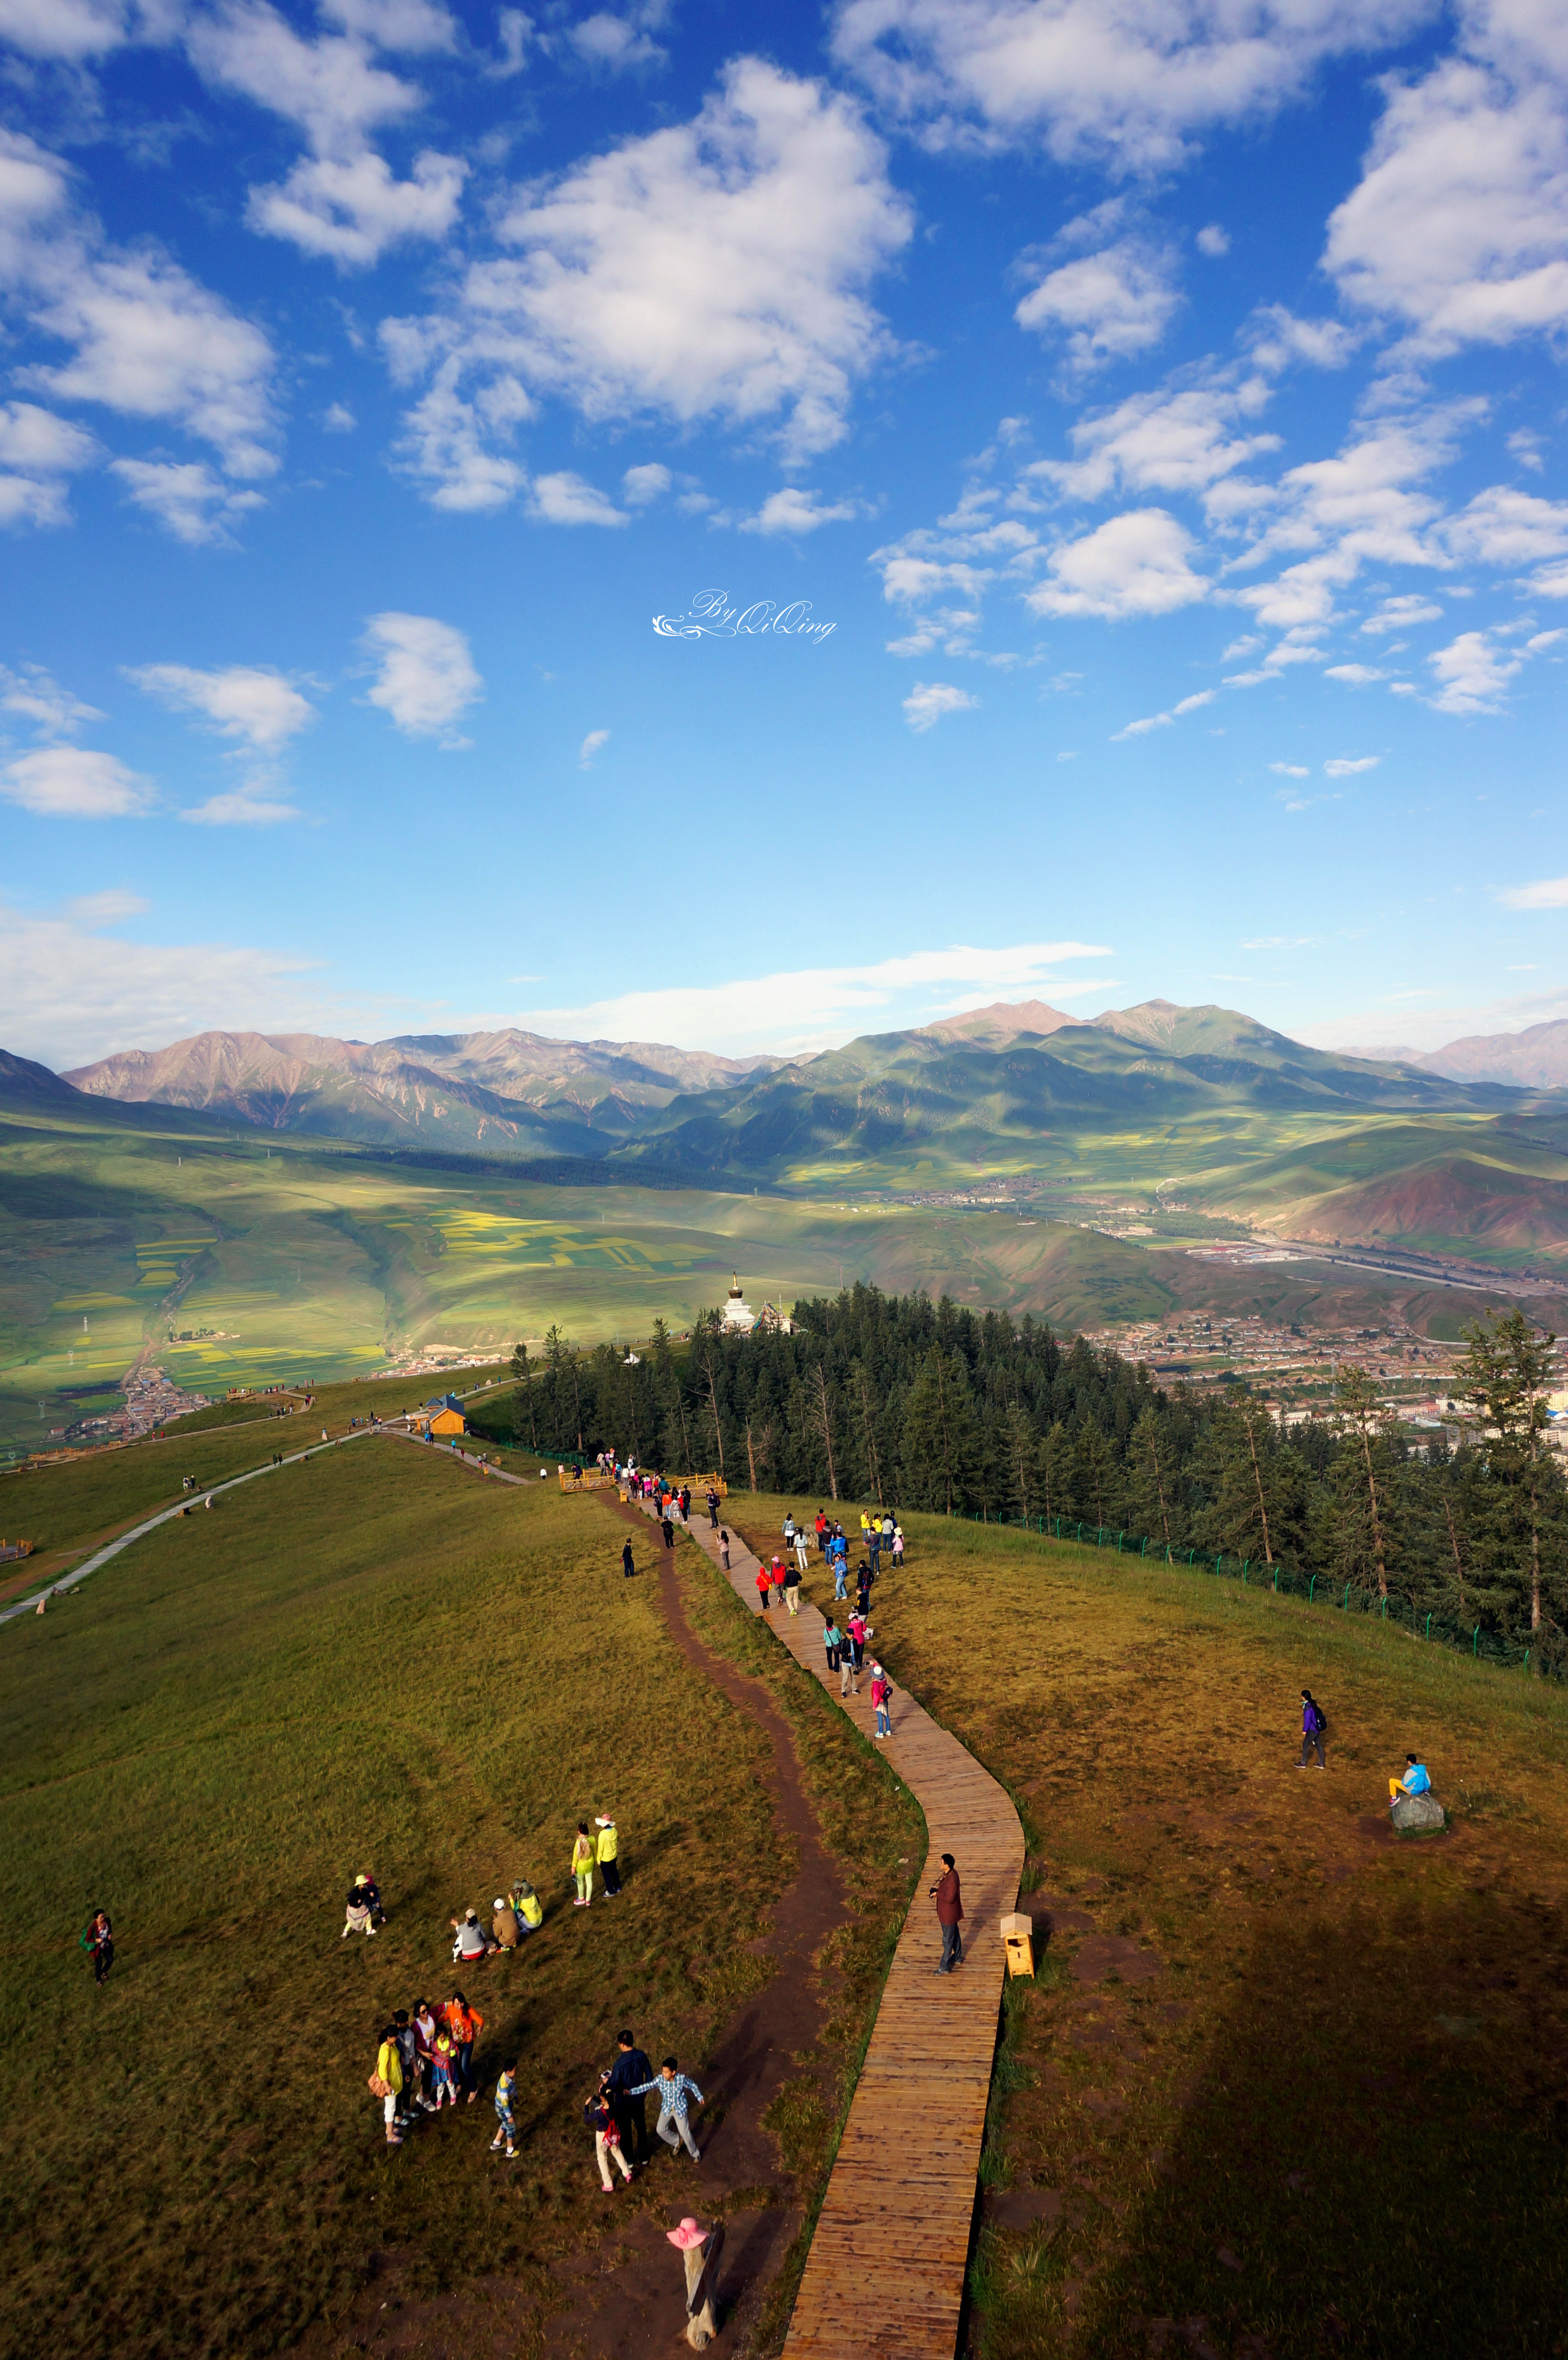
[150, 1400]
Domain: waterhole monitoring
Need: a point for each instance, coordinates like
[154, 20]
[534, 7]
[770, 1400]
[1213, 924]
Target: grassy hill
[1269, 2046]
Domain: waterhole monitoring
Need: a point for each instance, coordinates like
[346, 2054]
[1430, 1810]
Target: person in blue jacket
[1414, 1782]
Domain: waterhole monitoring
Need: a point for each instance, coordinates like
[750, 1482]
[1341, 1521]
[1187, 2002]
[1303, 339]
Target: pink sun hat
[691, 2232]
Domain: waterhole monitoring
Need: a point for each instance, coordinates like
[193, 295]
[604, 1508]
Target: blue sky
[1140, 419]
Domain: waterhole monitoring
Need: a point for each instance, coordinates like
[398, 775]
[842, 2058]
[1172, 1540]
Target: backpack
[1320, 1719]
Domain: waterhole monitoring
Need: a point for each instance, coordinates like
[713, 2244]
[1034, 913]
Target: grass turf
[1284, 2084]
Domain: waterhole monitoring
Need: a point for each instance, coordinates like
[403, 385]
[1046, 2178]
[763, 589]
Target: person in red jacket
[764, 1583]
[948, 1916]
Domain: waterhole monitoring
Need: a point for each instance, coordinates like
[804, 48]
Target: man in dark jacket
[629, 2071]
[948, 1916]
[629, 1563]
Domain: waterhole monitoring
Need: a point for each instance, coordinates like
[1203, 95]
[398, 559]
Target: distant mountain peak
[1003, 1021]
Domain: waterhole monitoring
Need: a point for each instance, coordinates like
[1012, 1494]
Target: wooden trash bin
[1017, 1941]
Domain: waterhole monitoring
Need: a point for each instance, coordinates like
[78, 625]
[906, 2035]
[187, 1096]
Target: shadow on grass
[1373, 2159]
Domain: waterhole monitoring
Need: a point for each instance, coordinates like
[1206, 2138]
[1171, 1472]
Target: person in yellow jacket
[582, 1865]
[530, 1908]
[389, 2073]
[609, 1849]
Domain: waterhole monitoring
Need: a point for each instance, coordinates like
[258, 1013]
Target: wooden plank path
[884, 2279]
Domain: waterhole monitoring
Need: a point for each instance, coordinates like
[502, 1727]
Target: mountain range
[1535, 1059]
[992, 1083]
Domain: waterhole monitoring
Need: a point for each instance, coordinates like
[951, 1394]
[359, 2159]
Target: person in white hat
[699, 2249]
[609, 1849]
[504, 1924]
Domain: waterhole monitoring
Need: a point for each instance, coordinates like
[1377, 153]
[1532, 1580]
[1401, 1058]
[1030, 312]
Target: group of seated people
[516, 1915]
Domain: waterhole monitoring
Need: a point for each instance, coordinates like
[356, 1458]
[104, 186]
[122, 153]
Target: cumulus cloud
[797, 511]
[1459, 227]
[185, 495]
[928, 700]
[1214, 241]
[426, 679]
[1135, 564]
[1285, 771]
[1347, 766]
[1355, 675]
[1401, 614]
[341, 201]
[565, 499]
[37, 451]
[34, 696]
[1473, 674]
[1163, 720]
[713, 272]
[240, 808]
[619, 43]
[1128, 81]
[1180, 439]
[590, 747]
[1502, 527]
[1546, 893]
[640, 486]
[69, 782]
[258, 708]
[1109, 305]
[67, 31]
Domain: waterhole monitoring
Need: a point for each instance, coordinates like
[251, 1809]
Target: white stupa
[739, 1317]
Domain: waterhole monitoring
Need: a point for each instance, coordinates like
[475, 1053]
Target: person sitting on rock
[1414, 1782]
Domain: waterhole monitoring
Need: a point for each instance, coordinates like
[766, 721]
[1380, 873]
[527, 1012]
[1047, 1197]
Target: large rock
[1413, 1811]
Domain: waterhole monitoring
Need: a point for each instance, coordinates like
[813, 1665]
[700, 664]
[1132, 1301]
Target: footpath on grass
[884, 2279]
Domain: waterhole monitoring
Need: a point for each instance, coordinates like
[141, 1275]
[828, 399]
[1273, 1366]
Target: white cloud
[448, 443]
[713, 270]
[351, 211]
[1501, 527]
[185, 496]
[1135, 564]
[1182, 440]
[565, 499]
[1163, 720]
[1401, 614]
[37, 451]
[1285, 771]
[619, 43]
[1355, 675]
[1214, 241]
[35, 696]
[339, 418]
[259, 708]
[72, 993]
[342, 201]
[1277, 338]
[426, 679]
[1130, 80]
[795, 511]
[1345, 765]
[1110, 304]
[590, 747]
[816, 1006]
[1459, 227]
[67, 30]
[1474, 675]
[1546, 893]
[1526, 446]
[928, 700]
[239, 808]
[640, 486]
[69, 782]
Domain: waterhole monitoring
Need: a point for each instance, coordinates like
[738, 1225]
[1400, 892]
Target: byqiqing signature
[710, 617]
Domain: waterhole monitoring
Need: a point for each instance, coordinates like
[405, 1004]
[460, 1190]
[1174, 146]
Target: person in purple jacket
[1314, 1720]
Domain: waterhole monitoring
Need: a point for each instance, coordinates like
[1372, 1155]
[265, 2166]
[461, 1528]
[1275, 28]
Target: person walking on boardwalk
[803, 1548]
[764, 1585]
[792, 1573]
[712, 1508]
[629, 1563]
[675, 2094]
[859, 1630]
[725, 1551]
[630, 2071]
[1314, 1720]
[609, 1849]
[833, 1640]
[700, 2248]
[582, 1865]
[838, 1556]
[882, 1700]
[506, 2127]
[98, 1941]
[776, 1576]
[949, 1915]
[600, 2117]
[789, 1530]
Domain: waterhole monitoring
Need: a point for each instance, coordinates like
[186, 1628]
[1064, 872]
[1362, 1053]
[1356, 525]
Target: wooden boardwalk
[884, 2279]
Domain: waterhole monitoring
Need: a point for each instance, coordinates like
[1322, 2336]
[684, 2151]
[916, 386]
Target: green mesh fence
[1314, 1589]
